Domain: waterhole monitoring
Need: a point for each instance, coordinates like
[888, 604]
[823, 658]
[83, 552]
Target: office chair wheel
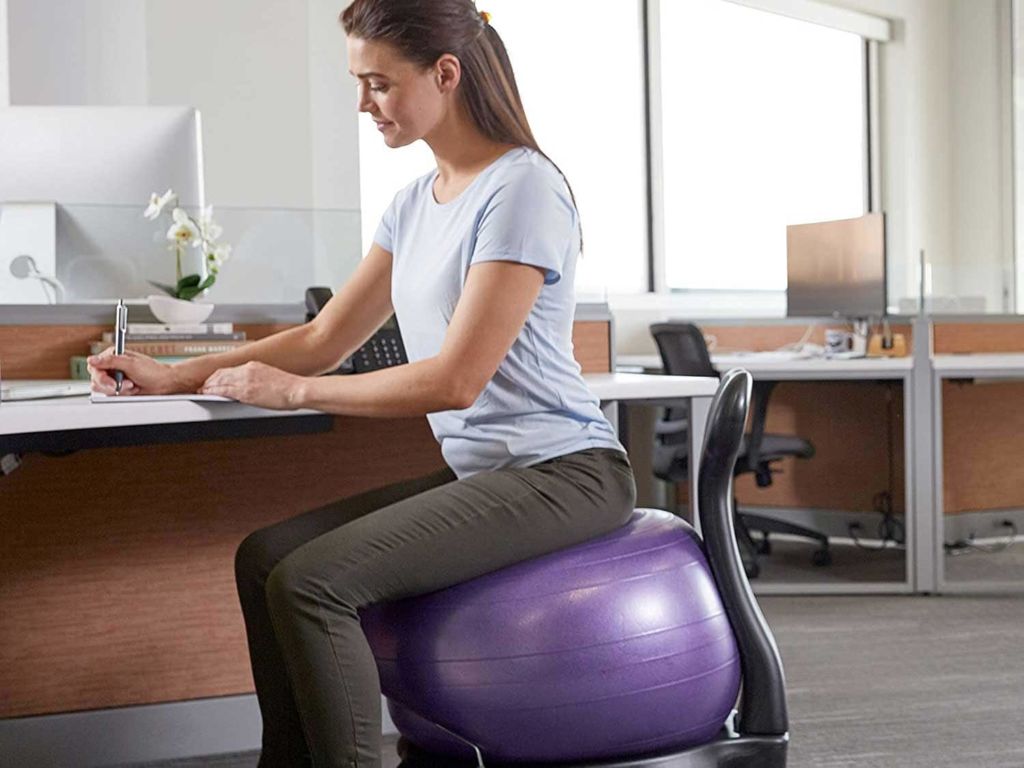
[821, 557]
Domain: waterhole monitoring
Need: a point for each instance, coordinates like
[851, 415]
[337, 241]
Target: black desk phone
[382, 350]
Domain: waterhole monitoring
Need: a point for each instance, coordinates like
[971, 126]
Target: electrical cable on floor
[890, 529]
[963, 546]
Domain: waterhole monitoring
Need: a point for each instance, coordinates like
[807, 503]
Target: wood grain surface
[856, 429]
[982, 446]
[952, 338]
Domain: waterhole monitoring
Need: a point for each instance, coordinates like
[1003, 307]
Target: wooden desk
[795, 369]
[826, 402]
[117, 587]
[73, 423]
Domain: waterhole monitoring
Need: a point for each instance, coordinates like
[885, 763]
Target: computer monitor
[837, 268]
[98, 165]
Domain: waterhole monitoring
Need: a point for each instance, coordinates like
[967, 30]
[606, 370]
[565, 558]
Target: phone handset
[382, 350]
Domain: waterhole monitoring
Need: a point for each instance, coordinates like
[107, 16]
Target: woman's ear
[447, 73]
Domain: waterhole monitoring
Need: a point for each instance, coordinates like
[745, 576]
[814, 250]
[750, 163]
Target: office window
[579, 66]
[764, 124]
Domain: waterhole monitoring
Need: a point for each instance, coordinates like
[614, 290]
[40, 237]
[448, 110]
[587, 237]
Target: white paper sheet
[99, 397]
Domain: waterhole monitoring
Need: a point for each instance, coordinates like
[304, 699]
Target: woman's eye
[379, 88]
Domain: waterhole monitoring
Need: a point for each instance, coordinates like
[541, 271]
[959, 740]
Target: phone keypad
[382, 351]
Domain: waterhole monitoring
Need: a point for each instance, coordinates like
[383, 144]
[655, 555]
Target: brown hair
[423, 30]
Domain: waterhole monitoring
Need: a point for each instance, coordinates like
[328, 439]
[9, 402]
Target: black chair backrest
[683, 353]
[763, 708]
[683, 349]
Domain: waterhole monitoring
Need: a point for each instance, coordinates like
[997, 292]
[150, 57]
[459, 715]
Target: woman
[477, 261]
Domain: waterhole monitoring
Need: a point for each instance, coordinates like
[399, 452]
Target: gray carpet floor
[907, 682]
[790, 563]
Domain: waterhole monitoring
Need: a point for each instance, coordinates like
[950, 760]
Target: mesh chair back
[683, 350]
[683, 353]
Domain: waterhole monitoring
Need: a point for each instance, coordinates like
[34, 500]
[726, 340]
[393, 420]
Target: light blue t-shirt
[537, 406]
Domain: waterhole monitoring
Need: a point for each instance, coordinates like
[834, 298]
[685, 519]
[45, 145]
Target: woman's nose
[363, 102]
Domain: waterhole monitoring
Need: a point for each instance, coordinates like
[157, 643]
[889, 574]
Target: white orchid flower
[209, 229]
[200, 232]
[157, 203]
[216, 257]
[183, 231]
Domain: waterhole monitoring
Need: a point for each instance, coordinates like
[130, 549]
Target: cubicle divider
[978, 391]
[857, 430]
[116, 564]
[963, 500]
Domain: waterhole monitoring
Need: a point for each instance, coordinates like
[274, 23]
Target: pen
[120, 331]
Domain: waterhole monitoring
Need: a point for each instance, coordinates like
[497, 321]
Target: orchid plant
[185, 232]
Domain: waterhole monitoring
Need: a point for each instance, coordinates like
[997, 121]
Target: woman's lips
[383, 125]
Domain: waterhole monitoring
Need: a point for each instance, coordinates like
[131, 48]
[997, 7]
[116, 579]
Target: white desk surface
[808, 368]
[60, 413]
[643, 386]
[1009, 364]
[27, 416]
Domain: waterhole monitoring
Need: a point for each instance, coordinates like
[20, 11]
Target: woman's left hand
[256, 384]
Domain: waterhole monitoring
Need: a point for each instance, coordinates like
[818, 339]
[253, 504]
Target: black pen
[120, 332]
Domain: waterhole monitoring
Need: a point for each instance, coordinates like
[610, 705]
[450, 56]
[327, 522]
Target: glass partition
[104, 252]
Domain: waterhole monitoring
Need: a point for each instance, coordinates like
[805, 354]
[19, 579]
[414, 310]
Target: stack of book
[166, 343]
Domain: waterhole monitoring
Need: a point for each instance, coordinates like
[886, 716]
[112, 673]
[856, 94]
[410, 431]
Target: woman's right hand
[142, 375]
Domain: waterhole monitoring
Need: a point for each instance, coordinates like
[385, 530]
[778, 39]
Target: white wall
[279, 124]
[245, 66]
[334, 139]
[5, 97]
[981, 189]
[70, 52]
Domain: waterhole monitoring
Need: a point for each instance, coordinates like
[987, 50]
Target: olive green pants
[302, 581]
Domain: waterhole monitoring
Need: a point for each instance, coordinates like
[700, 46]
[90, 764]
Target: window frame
[871, 29]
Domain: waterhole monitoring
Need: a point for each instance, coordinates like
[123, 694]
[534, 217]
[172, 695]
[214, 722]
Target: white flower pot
[169, 310]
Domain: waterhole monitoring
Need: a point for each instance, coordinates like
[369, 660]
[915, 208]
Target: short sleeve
[385, 234]
[530, 219]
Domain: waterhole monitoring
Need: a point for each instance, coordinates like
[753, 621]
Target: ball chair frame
[756, 736]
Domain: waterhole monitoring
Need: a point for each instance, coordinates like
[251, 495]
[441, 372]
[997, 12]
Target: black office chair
[685, 353]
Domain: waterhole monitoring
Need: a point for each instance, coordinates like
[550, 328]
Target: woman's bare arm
[495, 302]
[352, 315]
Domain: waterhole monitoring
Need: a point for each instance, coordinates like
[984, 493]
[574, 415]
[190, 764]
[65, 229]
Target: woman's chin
[394, 140]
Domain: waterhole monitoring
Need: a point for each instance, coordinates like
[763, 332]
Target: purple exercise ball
[618, 646]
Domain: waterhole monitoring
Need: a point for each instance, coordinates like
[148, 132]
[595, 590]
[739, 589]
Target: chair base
[767, 525]
[726, 751]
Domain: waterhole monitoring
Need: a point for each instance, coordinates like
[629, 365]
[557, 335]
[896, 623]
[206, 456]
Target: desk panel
[977, 338]
[982, 425]
[982, 415]
[853, 413]
[857, 431]
[116, 580]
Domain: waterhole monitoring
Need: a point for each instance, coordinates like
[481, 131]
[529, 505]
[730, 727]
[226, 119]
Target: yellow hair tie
[485, 16]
